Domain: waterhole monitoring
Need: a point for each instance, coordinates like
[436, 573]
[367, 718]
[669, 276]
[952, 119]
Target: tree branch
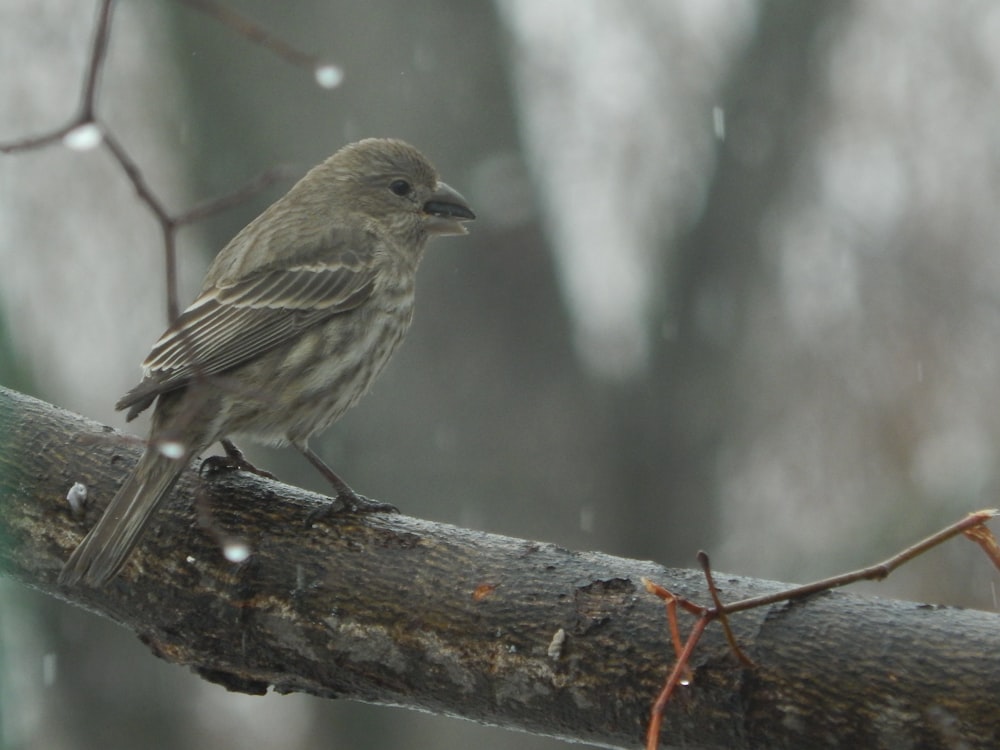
[391, 609]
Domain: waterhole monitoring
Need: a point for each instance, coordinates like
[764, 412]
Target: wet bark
[511, 632]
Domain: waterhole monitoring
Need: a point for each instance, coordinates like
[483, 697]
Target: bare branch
[98, 54]
[87, 117]
[240, 195]
[253, 31]
[85, 112]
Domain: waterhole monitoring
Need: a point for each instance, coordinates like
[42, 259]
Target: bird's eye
[400, 187]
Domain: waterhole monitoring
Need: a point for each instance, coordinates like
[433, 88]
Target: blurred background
[735, 286]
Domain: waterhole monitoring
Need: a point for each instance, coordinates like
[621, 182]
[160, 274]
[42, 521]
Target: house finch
[297, 316]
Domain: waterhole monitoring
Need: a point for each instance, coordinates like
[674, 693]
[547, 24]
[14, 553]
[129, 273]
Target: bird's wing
[233, 323]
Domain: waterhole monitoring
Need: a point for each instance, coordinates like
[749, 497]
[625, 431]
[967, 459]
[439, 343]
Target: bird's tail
[106, 548]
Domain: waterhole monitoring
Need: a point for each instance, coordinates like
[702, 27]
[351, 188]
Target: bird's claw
[218, 464]
[349, 503]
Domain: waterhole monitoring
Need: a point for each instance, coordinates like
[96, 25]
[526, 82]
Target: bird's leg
[346, 499]
[239, 461]
[234, 460]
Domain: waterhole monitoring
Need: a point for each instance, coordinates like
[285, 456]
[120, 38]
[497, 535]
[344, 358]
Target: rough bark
[391, 609]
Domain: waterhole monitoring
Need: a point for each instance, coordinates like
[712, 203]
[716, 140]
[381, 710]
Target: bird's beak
[446, 210]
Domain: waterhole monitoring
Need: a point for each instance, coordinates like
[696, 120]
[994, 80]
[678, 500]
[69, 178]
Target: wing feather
[233, 323]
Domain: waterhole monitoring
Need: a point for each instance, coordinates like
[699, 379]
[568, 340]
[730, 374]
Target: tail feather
[105, 549]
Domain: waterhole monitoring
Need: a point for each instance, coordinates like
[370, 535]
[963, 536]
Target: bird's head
[393, 182]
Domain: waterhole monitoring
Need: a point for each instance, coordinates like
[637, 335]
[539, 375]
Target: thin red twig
[677, 675]
[720, 610]
[973, 526]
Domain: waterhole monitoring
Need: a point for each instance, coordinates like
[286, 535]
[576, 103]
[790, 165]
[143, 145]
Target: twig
[254, 32]
[222, 203]
[677, 677]
[721, 610]
[982, 536]
[86, 116]
[973, 526]
[98, 54]
[85, 112]
[873, 572]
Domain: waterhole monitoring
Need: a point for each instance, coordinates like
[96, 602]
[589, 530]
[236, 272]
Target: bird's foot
[346, 499]
[234, 460]
[349, 502]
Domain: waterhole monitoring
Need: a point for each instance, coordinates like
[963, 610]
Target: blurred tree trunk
[700, 393]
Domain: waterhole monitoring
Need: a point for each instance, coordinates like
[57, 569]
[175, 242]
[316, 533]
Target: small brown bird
[297, 316]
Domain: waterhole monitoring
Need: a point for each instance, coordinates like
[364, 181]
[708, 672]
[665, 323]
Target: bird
[297, 316]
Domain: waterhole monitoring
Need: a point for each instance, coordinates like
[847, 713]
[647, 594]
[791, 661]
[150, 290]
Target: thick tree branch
[391, 609]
